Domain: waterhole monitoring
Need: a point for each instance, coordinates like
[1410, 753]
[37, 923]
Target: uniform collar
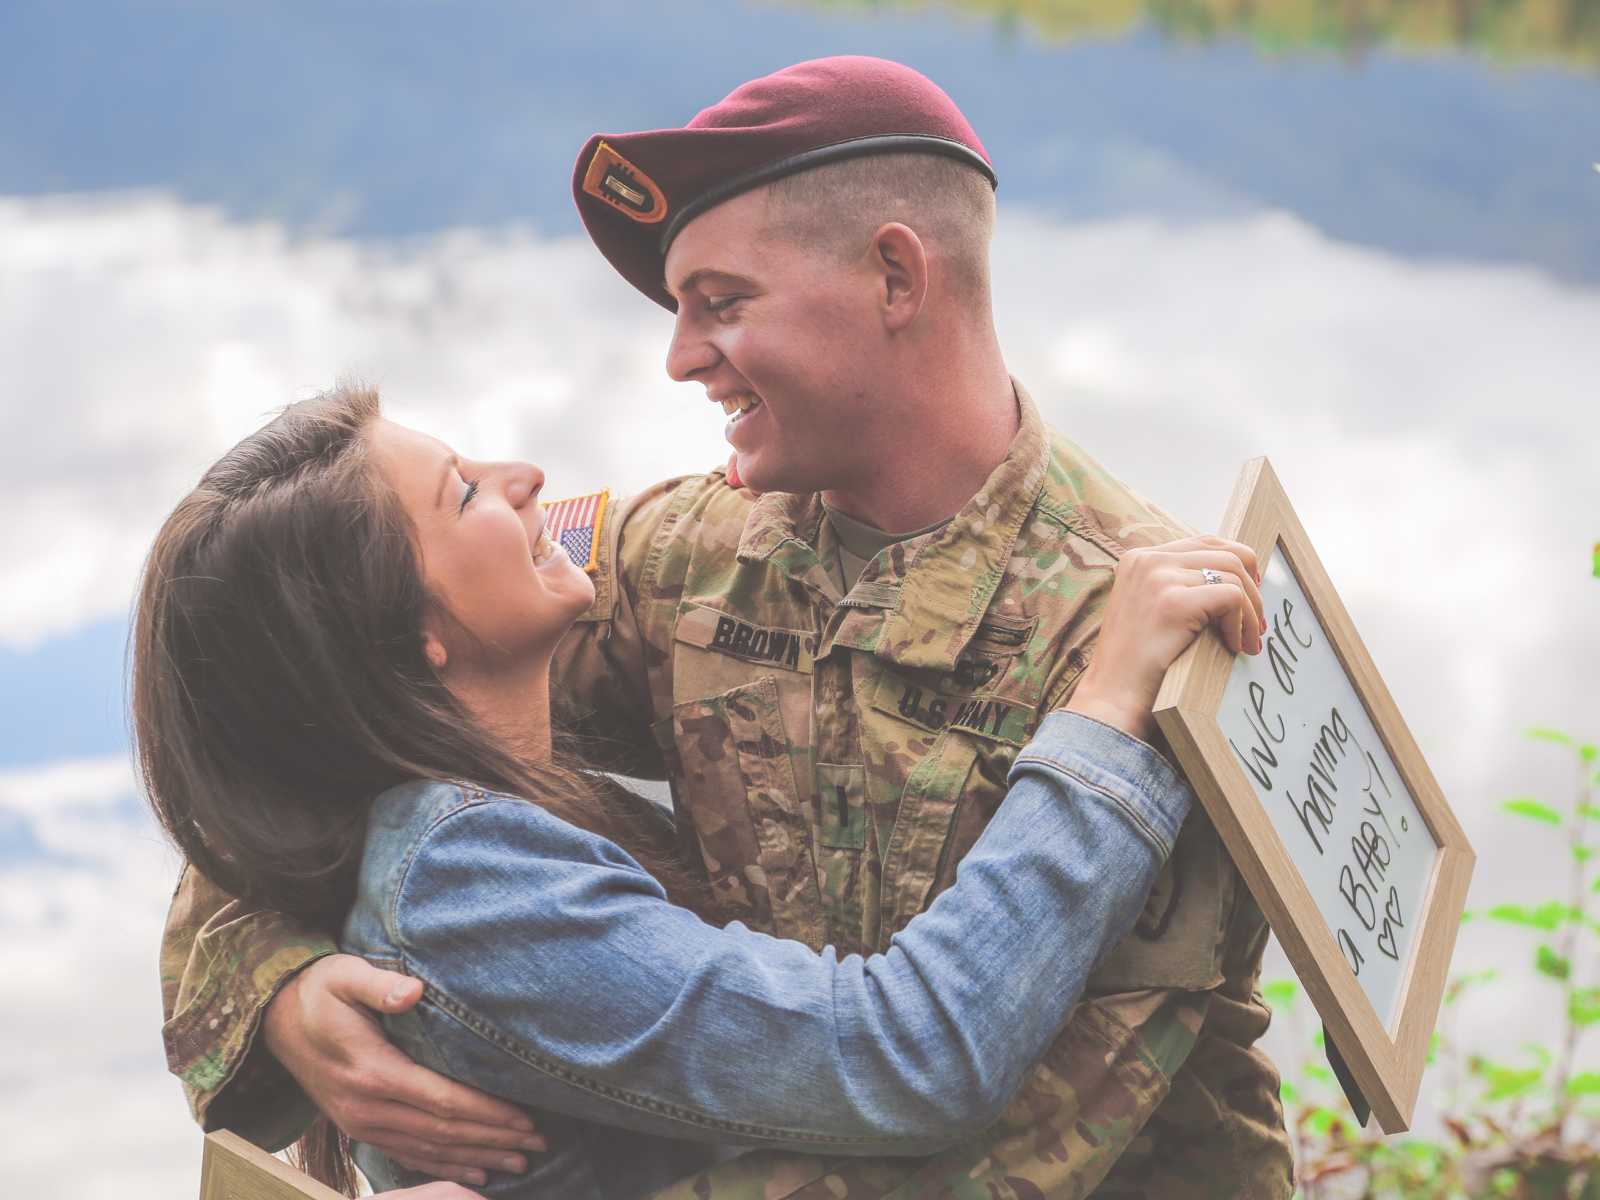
[947, 587]
[788, 530]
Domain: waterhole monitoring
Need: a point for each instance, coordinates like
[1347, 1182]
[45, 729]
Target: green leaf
[1583, 1006]
[1320, 1073]
[1548, 916]
[1505, 1082]
[1582, 854]
[1321, 1120]
[1288, 1093]
[1548, 962]
[1585, 1084]
[1421, 1149]
[1589, 810]
[1588, 752]
[1280, 993]
[1543, 733]
[1524, 806]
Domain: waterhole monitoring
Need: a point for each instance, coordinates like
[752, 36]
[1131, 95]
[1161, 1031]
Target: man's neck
[960, 433]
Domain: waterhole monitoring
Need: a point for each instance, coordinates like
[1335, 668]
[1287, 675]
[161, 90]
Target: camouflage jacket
[831, 759]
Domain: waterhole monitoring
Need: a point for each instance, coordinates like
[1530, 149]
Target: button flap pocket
[1001, 636]
[1178, 938]
[754, 834]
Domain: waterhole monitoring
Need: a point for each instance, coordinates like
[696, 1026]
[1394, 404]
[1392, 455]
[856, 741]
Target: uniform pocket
[753, 832]
[1074, 1116]
[1177, 941]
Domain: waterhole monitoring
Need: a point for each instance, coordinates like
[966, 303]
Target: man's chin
[766, 472]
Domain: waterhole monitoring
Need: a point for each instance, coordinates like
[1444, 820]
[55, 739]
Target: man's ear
[901, 262]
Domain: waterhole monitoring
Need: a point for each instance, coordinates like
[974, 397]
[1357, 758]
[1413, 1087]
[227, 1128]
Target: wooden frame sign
[1327, 807]
[234, 1169]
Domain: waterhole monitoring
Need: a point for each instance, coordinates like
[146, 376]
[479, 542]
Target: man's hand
[322, 1029]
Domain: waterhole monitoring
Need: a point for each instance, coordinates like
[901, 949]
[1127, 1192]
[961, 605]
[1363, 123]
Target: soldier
[834, 675]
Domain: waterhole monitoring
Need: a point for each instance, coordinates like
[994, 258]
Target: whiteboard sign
[1335, 797]
[1323, 799]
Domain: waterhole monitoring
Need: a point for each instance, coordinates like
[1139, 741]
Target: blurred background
[1359, 236]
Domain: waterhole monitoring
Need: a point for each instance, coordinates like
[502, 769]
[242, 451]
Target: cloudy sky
[1382, 272]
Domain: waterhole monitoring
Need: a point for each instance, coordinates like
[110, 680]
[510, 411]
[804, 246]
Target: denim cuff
[1130, 773]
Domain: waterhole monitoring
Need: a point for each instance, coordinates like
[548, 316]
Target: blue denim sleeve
[559, 976]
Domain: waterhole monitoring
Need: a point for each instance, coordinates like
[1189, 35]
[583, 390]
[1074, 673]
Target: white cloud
[143, 337]
[89, 1105]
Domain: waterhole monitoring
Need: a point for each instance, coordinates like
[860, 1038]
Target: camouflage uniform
[831, 759]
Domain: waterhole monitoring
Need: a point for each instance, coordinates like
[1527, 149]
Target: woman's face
[485, 559]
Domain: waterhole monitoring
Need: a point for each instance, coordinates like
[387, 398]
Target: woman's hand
[1159, 603]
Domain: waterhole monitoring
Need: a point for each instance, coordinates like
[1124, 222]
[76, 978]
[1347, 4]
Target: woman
[341, 702]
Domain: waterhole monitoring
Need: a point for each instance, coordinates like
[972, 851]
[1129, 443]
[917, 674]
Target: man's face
[788, 334]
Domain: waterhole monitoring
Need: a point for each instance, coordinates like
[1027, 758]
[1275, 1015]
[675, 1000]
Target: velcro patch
[625, 187]
[934, 707]
[982, 715]
[574, 525]
[712, 629]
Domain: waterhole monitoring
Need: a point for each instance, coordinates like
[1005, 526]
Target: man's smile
[736, 404]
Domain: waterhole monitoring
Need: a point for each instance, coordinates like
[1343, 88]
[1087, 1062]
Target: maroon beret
[636, 191]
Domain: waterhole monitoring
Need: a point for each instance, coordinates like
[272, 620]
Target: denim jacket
[558, 975]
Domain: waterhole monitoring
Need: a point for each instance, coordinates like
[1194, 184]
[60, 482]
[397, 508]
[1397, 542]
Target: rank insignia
[625, 187]
[574, 525]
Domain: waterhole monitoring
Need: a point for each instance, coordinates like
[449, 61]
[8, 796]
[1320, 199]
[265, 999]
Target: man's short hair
[838, 207]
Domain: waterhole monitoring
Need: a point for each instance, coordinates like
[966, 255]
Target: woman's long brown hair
[279, 682]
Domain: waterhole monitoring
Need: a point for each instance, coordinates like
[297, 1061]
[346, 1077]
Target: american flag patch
[574, 525]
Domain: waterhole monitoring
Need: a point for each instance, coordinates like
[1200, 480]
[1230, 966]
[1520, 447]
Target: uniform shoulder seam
[692, 490]
[1073, 521]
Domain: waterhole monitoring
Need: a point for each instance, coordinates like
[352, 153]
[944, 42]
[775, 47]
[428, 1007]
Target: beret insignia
[625, 187]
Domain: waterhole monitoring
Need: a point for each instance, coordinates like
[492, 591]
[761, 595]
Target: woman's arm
[559, 976]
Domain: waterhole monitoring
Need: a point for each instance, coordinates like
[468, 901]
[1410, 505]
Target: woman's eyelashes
[466, 496]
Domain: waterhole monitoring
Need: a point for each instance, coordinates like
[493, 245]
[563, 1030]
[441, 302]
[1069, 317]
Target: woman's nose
[523, 481]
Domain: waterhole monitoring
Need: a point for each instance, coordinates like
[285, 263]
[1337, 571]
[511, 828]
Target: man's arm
[221, 965]
[601, 683]
[265, 1025]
